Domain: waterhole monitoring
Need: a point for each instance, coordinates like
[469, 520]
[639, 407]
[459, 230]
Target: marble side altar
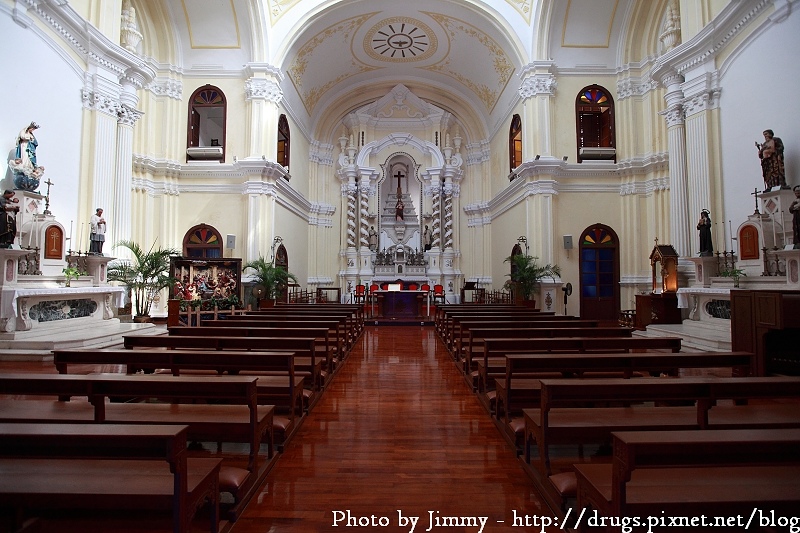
[38, 313]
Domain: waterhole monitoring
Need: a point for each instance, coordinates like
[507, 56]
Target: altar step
[38, 346]
[697, 336]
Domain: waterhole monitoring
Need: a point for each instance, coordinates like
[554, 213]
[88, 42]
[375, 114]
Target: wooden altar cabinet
[400, 304]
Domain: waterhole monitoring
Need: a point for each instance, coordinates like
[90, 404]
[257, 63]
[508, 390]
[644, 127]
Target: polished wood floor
[397, 433]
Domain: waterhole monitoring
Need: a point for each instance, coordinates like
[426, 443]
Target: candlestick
[774, 239]
[80, 239]
[70, 234]
[730, 237]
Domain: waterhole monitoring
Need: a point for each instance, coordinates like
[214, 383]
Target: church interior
[394, 158]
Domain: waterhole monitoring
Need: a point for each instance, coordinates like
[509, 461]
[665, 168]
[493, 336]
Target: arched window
[599, 269]
[283, 142]
[594, 113]
[206, 126]
[202, 241]
[515, 142]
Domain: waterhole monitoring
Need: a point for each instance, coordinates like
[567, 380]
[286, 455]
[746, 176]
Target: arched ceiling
[329, 51]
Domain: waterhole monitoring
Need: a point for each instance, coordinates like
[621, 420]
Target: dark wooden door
[599, 267]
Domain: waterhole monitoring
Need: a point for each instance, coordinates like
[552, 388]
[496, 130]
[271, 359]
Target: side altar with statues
[50, 294]
[760, 253]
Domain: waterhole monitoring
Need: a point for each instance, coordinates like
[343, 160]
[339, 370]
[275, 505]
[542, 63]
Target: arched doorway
[282, 260]
[599, 267]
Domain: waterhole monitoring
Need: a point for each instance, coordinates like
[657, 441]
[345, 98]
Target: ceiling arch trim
[400, 139]
[307, 70]
[488, 57]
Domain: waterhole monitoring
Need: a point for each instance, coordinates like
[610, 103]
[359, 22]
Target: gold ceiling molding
[480, 60]
[221, 32]
[278, 7]
[400, 40]
[524, 7]
[315, 56]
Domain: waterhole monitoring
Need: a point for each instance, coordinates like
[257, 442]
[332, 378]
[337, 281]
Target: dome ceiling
[330, 52]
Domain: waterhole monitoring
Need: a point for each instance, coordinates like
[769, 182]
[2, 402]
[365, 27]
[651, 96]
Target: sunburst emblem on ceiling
[400, 39]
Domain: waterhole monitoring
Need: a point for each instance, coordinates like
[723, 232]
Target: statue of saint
[794, 209]
[704, 225]
[398, 210]
[373, 239]
[771, 154]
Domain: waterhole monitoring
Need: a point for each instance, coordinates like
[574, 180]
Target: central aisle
[397, 430]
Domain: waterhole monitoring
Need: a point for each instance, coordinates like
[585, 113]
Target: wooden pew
[564, 418]
[354, 325]
[94, 467]
[355, 311]
[277, 384]
[453, 329]
[306, 362]
[337, 326]
[445, 312]
[462, 325]
[240, 420]
[693, 474]
[323, 345]
[448, 326]
[519, 387]
[476, 337]
[493, 363]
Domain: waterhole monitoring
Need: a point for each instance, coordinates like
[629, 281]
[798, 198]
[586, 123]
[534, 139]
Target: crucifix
[399, 176]
[47, 198]
[755, 193]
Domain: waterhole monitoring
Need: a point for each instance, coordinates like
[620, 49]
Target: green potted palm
[527, 274]
[273, 279]
[145, 275]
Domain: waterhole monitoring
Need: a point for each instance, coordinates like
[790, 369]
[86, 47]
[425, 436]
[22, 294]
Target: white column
[120, 220]
[262, 95]
[680, 219]
[538, 92]
[104, 106]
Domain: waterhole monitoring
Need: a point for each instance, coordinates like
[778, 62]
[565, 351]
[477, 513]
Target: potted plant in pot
[527, 274]
[272, 278]
[144, 275]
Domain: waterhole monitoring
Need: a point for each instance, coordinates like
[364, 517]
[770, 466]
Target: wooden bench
[240, 420]
[277, 384]
[716, 473]
[457, 322]
[355, 313]
[306, 362]
[341, 340]
[352, 325]
[493, 362]
[462, 326]
[101, 467]
[444, 313]
[324, 347]
[476, 337]
[519, 387]
[565, 417]
[446, 327]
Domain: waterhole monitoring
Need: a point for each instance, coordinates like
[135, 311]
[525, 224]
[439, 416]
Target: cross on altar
[399, 176]
[47, 198]
[755, 193]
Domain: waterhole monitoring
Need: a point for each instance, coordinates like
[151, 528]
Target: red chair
[425, 288]
[412, 287]
[438, 294]
[360, 296]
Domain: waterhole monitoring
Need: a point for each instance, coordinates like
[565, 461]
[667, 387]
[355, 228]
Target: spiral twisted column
[364, 217]
[436, 208]
[351, 216]
[448, 219]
